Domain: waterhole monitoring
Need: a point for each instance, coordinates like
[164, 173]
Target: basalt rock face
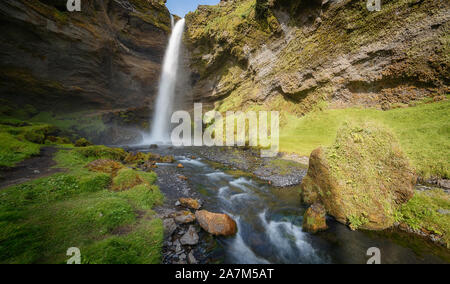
[293, 54]
[105, 59]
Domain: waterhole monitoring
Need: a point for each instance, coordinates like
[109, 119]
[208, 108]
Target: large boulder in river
[315, 219]
[362, 179]
[216, 224]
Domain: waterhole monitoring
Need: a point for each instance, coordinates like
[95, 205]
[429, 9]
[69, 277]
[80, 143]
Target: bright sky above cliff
[182, 7]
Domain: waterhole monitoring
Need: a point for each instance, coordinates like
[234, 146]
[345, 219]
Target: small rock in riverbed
[190, 203]
[178, 248]
[191, 258]
[169, 226]
[191, 237]
[153, 146]
[444, 183]
[180, 166]
[177, 203]
[184, 217]
[315, 219]
[182, 177]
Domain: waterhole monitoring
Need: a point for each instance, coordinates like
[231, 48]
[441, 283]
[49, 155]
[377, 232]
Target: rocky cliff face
[105, 59]
[293, 55]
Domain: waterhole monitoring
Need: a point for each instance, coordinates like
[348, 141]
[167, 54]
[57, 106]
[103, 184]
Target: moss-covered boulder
[57, 140]
[82, 142]
[35, 137]
[362, 179]
[314, 219]
[102, 152]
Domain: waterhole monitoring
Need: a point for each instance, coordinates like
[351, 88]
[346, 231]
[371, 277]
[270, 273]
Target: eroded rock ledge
[104, 59]
[310, 51]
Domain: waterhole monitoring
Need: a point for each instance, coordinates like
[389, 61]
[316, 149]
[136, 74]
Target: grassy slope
[423, 132]
[41, 219]
[14, 146]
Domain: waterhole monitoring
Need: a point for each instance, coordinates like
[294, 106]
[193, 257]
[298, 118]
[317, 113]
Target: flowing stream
[270, 221]
[166, 91]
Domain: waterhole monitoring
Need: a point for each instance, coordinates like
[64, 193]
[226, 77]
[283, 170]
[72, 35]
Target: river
[270, 220]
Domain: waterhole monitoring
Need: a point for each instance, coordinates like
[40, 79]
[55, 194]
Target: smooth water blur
[166, 93]
[270, 225]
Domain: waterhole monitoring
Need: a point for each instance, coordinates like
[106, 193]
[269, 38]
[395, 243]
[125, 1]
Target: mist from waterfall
[160, 129]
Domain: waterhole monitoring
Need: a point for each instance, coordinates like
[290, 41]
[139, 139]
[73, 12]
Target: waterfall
[166, 92]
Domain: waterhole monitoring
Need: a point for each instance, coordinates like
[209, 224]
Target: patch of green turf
[40, 220]
[102, 152]
[13, 150]
[128, 178]
[74, 123]
[20, 140]
[422, 212]
[143, 196]
[423, 132]
[143, 246]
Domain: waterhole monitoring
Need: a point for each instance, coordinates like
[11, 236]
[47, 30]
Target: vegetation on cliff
[73, 68]
[296, 54]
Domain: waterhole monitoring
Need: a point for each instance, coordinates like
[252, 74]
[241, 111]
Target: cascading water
[166, 93]
[172, 21]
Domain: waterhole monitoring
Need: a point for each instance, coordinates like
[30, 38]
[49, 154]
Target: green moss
[82, 142]
[140, 247]
[143, 196]
[86, 123]
[357, 222]
[40, 220]
[422, 213]
[19, 140]
[128, 178]
[13, 150]
[362, 178]
[102, 152]
[285, 167]
[423, 133]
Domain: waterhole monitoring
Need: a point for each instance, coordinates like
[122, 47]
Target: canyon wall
[103, 61]
[298, 55]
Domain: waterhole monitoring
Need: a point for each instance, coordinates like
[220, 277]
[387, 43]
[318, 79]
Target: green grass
[143, 196]
[74, 123]
[21, 140]
[140, 246]
[423, 132]
[102, 152]
[421, 212]
[41, 219]
[14, 150]
[128, 178]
